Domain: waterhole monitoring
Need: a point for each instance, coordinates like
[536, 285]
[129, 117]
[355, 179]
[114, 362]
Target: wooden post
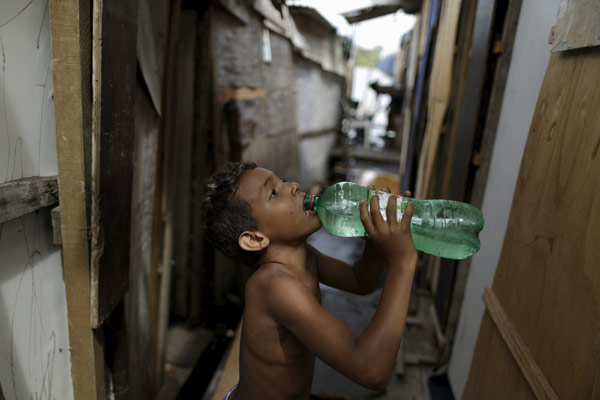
[71, 66]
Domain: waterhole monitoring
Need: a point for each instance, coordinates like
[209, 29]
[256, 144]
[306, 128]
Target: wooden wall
[547, 280]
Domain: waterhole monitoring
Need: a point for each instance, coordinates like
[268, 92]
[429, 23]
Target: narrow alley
[114, 116]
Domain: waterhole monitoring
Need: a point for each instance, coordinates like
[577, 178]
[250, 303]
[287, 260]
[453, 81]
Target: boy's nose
[295, 188]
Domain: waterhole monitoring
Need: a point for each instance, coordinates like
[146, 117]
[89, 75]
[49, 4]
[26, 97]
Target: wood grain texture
[536, 379]
[547, 277]
[71, 65]
[26, 195]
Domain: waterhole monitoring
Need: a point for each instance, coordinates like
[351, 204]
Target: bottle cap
[309, 202]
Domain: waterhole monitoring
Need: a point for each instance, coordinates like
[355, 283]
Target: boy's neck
[290, 256]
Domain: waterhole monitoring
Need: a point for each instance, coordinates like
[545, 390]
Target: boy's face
[277, 206]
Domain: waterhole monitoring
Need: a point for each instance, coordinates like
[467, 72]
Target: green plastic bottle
[443, 228]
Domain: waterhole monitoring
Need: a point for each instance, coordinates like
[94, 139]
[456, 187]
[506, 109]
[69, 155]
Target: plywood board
[536, 379]
[578, 25]
[547, 277]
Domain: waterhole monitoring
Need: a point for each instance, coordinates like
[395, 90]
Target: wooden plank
[219, 146]
[184, 160]
[440, 84]
[26, 195]
[429, 24]
[437, 329]
[578, 25]
[199, 288]
[114, 78]
[496, 97]
[461, 140]
[535, 377]
[71, 50]
[400, 360]
[547, 277]
[458, 146]
[144, 156]
[411, 76]
[162, 225]
[489, 135]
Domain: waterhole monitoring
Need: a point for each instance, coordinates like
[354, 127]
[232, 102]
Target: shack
[113, 114]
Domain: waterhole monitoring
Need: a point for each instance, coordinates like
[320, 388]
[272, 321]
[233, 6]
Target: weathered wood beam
[26, 195]
[71, 68]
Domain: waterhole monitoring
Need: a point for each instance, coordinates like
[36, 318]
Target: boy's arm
[369, 359]
[362, 277]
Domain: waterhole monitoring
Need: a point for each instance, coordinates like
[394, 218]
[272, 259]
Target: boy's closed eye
[274, 191]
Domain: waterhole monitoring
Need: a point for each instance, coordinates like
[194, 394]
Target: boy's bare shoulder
[270, 275]
[274, 284]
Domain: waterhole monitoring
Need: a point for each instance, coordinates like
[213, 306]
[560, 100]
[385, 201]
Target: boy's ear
[253, 241]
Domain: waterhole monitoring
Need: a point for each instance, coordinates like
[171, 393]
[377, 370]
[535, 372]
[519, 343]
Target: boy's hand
[394, 238]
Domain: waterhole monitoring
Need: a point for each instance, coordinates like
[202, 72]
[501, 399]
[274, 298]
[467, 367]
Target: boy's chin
[316, 226]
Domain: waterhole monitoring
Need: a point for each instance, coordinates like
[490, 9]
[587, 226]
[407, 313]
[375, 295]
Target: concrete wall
[320, 85]
[292, 127]
[268, 133]
[528, 67]
[319, 110]
[34, 343]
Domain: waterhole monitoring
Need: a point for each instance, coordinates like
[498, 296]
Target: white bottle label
[383, 202]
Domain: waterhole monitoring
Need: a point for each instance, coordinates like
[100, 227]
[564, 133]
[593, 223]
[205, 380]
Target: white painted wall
[34, 343]
[528, 66]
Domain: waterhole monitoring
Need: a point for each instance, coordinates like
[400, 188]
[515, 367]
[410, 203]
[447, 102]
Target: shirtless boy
[256, 218]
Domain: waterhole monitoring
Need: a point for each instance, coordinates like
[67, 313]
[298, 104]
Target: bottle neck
[311, 202]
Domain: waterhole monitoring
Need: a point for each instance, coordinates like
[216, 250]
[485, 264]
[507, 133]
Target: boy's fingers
[386, 189]
[375, 214]
[406, 218]
[366, 218]
[407, 193]
[391, 209]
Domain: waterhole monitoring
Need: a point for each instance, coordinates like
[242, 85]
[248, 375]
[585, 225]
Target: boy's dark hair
[225, 217]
